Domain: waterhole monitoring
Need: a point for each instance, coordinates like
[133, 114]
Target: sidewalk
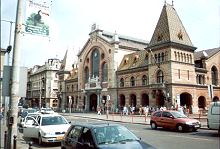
[136, 119]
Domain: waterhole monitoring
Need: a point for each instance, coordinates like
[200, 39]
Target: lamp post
[9, 48]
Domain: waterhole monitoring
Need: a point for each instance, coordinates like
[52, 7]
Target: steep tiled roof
[134, 60]
[169, 28]
[210, 52]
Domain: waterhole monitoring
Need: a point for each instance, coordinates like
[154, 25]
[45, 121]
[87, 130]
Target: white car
[47, 110]
[46, 128]
[24, 122]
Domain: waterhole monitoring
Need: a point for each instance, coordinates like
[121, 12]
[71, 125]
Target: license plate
[60, 138]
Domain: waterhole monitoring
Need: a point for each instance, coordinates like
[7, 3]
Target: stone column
[63, 101]
[87, 103]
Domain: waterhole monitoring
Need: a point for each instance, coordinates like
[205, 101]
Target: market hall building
[115, 71]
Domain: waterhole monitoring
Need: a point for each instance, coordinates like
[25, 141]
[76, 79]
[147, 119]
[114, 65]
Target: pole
[0, 73]
[40, 97]
[15, 75]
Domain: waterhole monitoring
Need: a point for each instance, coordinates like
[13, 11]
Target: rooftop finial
[172, 3]
[165, 2]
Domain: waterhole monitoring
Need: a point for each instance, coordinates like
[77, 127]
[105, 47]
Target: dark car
[101, 136]
[173, 120]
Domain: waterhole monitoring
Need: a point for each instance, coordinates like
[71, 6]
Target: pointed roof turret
[170, 29]
[68, 61]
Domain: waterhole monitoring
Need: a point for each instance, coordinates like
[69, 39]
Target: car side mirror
[171, 116]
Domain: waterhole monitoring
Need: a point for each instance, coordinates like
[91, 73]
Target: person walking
[99, 111]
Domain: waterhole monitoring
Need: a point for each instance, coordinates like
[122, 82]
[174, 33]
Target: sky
[71, 21]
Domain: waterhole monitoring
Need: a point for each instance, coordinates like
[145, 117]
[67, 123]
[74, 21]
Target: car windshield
[178, 114]
[113, 134]
[53, 120]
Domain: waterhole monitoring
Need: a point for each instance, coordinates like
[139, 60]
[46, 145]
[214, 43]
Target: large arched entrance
[145, 100]
[133, 100]
[160, 98]
[186, 100]
[93, 102]
[122, 101]
[201, 102]
[215, 98]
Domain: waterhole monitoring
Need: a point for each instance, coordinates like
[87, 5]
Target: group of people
[147, 110]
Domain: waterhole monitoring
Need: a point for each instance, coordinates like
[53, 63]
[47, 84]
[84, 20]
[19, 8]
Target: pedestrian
[99, 110]
[125, 110]
[146, 111]
[180, 109]
[140, 110]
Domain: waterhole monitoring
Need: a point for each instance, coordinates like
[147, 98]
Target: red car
[173, 120]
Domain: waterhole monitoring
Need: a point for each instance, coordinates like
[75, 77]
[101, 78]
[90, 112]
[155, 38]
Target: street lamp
[9, 48]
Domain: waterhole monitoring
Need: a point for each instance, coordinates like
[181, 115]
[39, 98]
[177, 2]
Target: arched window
[86, 74]
[95, 62]
[181, 56]
[162, 57]
[104, 72]
[184, 55]
[187, 58]
[214, 73]
[160, 76]
[155, 56]
[175, 55]
[122, 83]
[190, 59]
[159, 60]
[144, 80]
[132, 81]
[178, 56]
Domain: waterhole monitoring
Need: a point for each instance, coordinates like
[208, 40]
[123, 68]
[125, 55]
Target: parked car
[46, 128]
[23, 112]
[213, 118]
[24, 121]
[173, 120]
[47, 110]
[101, 136]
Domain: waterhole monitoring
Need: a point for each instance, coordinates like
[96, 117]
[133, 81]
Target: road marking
[190, 137]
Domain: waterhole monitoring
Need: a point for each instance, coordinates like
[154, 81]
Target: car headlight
[47, 133]
[188, 123]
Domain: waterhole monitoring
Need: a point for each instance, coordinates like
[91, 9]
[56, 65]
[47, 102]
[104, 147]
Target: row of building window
[71, 88]
[183, 57]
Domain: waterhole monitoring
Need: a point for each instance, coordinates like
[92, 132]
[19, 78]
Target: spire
[169, 28]
[68, 60]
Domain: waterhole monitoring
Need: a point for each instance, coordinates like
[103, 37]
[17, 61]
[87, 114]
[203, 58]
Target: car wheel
[179, 128]
[153, 125]
[40, 140]
[194, 129]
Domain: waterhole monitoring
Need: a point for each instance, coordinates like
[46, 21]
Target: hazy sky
[71, 22]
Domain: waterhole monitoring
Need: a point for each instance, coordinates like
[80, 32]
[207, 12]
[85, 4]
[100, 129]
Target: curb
[202, 127]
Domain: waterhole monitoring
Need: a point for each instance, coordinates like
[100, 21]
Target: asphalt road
[160, 138]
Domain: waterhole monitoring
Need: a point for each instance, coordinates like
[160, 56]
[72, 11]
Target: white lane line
[195, 138]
